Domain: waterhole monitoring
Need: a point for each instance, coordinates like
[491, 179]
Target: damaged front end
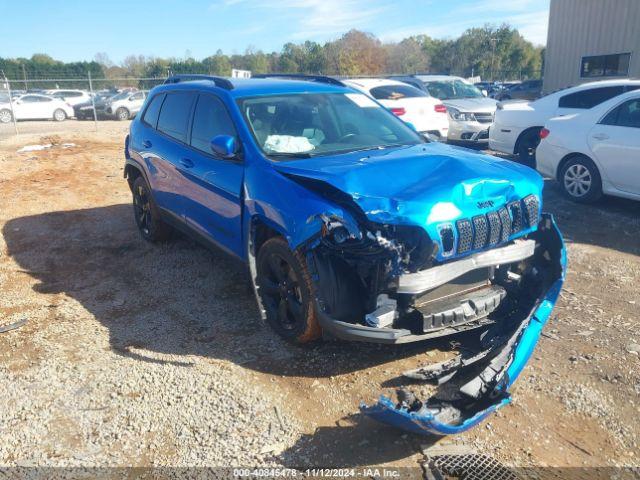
[476, 382]
[391, 284]
[437, 256]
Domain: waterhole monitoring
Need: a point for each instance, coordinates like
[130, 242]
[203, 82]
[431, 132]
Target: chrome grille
[494, 227]
[481, 230]
[465, 235]
[484, 117]
[488, 230]
[533, 209]
[505, 220]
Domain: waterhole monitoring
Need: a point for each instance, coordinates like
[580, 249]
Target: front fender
[287, 207]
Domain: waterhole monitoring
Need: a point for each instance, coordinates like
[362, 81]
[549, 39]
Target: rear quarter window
[152, 112]
[174, 115]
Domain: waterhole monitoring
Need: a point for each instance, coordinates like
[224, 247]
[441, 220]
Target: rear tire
[580, 180]
[147, 215]
[122, 114]
[287, 292]
[59, 115]
[5, 116]
[527, 145]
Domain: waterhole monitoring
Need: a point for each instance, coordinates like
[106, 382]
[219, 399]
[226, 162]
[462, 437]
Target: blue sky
[72, 30]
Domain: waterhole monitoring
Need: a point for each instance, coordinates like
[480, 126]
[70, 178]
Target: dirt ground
[135, 354]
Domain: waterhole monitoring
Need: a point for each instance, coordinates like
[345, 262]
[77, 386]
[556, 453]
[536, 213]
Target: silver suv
[125, 105]
[470, 111]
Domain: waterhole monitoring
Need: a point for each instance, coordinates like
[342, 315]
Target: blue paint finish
[385, 410]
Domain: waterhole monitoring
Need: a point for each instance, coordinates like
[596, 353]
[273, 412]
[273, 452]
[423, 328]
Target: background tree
[492, 52]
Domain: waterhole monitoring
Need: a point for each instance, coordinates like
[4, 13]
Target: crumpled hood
[480, 104]
[421, 185]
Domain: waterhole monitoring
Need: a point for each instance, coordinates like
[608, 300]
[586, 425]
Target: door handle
[185, 162]
[600, 136]
[147, 144]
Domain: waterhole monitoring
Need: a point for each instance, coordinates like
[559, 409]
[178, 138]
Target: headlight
[461, 116]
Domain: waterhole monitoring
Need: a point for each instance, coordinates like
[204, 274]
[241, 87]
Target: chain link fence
[93, 92]
[82, 99]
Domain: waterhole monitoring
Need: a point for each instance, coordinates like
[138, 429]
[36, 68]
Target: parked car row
[517, 125]
[586, 137]
[59, 105]
[427, 115]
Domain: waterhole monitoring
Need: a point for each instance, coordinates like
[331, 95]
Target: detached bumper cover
[497, 367]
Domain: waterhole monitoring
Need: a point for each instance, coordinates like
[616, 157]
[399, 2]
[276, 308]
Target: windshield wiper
[289, 155]
[376, 147]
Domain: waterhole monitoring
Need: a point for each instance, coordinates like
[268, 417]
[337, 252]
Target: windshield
[310, 124]
[452, 89]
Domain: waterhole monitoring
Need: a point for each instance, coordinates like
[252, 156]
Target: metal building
[591, 40]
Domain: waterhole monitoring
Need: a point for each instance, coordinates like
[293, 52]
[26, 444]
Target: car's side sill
[179, 224]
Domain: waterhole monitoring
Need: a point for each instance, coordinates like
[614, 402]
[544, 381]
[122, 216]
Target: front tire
[147, 215]
[580, 180]
[59, 115]
[5, 116]
[122, 114]
[286, 291]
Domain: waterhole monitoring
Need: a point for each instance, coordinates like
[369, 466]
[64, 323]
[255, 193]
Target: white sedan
[36, 107]
[595, 152]
[517, 125]
[425, 113]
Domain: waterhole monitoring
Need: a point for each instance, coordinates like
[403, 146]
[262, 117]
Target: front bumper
[416, 283]
[468, 131]
[484, 375]
[440, 133]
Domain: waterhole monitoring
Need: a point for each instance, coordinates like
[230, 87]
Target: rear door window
[210, 119]
[586, 99]
[153, 110]
[174, 115]
[625, 115]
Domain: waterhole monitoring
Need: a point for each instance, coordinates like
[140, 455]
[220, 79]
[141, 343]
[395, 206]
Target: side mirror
[485, 93]
[224, 146]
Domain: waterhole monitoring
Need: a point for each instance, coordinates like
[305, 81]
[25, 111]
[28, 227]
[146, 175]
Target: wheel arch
[133, 170]
[526, 131]
[260, 230]
[571, 156]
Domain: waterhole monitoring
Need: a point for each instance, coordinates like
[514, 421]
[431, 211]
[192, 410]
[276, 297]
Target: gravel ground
[146, 355]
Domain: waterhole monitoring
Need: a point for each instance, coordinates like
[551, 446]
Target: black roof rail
[301, 76]
[190, 77]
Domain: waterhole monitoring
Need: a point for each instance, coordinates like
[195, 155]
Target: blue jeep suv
[355, 226]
